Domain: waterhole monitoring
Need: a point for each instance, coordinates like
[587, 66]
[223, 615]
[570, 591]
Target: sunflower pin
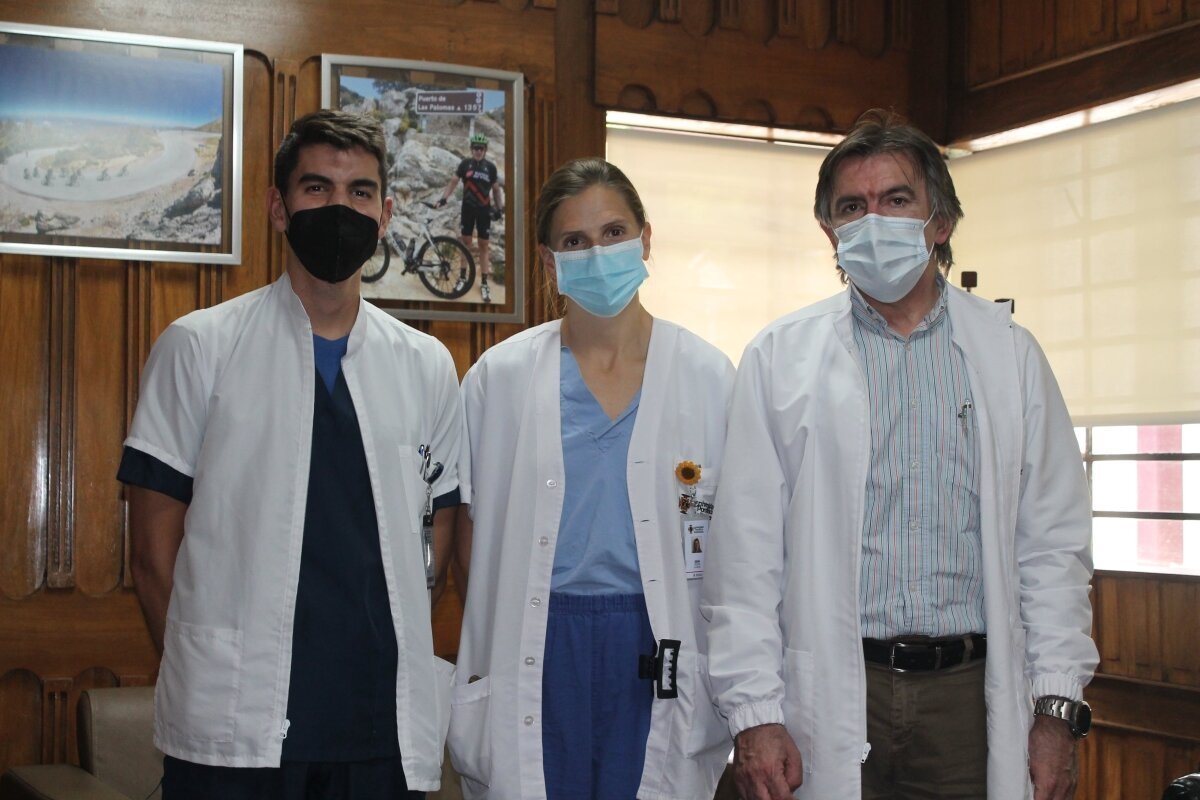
[687, 473]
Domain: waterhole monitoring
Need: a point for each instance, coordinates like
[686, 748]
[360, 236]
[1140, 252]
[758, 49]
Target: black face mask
[333, 241]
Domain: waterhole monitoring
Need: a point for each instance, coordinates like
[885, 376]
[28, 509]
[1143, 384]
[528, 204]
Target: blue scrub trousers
[595, 708]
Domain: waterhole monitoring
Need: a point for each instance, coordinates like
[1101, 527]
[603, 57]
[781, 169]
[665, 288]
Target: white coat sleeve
[172, 408]
[744, 567]
[446, 442]
[472, 396]
[1053, 537]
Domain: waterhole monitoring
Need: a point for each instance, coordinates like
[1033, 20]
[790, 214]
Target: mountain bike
[443, 263]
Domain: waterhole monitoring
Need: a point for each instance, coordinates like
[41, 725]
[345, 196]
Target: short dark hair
[878, 131]
[340, 129]
[573, 178]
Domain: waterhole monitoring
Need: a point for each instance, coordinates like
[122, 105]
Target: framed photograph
[455, 245]
[118, 145]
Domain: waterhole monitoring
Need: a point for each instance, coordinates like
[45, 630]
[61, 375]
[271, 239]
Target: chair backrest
[116, 739]
[1184, 788]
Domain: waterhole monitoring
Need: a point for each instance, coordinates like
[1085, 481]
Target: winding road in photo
[173, 162]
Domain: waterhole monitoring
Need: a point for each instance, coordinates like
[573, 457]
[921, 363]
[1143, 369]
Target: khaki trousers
[928, 734]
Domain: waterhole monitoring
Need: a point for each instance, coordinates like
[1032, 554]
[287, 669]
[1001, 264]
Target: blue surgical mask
[602, 279]
[884, 256]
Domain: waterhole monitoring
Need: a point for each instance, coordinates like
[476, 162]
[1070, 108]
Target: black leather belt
[925, 655]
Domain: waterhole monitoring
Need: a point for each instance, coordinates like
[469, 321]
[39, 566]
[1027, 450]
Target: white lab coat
[227, 398]
[782, 591]
[514, 483]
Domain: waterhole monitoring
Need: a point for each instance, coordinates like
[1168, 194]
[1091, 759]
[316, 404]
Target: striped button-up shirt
[922, 565]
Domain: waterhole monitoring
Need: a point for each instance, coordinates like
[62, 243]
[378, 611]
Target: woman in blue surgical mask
[595, 448]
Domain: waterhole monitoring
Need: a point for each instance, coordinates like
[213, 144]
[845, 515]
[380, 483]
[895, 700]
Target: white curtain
[734, 242]
[1095, 233]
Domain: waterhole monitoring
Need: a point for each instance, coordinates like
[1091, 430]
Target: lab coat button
[535, 602]
[530, 661]
[544, 541]
[529, 720]
[552, 483]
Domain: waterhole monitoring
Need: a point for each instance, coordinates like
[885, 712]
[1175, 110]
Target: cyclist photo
[449, 132]
[482, 184]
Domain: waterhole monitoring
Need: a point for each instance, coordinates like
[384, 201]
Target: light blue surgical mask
[602, 279]
[884, 256]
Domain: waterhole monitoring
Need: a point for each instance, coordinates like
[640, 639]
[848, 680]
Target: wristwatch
[1076, 713]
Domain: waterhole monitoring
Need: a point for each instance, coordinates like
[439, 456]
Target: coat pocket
[199, 681]
[443, 672]
[798, 708]
[470, 739]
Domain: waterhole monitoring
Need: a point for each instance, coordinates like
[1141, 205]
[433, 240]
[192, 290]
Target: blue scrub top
[596, 551]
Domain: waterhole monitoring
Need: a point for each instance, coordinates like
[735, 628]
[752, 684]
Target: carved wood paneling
[698, 16]
[24, 493]
[816, 22]
[60, 545]
[660, 68]
[20, 718]
[1115, 765]
[1026, 60]
[98, 424]
[1146, 694]
[56, 713]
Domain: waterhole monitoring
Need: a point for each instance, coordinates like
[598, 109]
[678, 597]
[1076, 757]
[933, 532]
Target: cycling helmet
[479, 138]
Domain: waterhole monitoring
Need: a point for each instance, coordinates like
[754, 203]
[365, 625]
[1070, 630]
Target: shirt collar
[865, 314]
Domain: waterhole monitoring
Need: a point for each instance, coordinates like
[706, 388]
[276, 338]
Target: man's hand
[766, 763]
[440, 202]
[1052, 762]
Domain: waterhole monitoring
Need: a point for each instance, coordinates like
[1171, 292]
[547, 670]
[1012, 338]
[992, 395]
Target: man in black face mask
[290, 449]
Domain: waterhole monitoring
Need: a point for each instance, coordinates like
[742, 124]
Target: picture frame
[118, 145]
[433, 114]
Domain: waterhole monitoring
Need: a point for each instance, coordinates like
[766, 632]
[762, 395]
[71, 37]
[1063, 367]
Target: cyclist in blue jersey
[482, 184]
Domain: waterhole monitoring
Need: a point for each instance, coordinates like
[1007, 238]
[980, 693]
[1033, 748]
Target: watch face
[1083, 719]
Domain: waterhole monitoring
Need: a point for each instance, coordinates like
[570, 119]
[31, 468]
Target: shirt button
[530, 661]
[529, 720]
[908, 346]
[537, 601]
[543, 541]
[912, 526]
[915, 464]
[913, 402]
[552, 483]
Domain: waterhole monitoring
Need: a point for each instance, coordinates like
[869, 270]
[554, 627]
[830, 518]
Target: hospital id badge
[695, 542]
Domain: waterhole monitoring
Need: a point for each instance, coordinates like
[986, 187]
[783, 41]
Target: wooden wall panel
[1023, 61]
[24, 329]
[1146, 693]
[97, 412]
[665, 69]
[20, 718]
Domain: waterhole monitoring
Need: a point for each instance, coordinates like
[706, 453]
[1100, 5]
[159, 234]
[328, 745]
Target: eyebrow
[900, 188]
[316, 177]
[606, 226]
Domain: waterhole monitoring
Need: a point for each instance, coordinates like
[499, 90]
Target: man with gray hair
[897, 593]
